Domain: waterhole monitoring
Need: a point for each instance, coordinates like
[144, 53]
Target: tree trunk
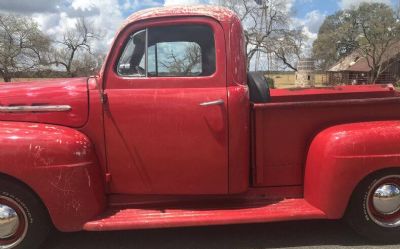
[372, 77]
[7, 78]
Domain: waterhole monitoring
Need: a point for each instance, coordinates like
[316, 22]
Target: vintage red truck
[174, 132]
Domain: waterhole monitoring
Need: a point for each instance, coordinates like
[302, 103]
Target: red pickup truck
[174, 132]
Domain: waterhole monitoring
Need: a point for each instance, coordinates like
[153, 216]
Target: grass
[287, 80]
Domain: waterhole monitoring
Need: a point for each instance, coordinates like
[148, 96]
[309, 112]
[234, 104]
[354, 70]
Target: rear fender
[59, 164]
[340, 157]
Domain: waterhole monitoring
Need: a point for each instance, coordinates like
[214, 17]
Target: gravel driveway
[309, 234]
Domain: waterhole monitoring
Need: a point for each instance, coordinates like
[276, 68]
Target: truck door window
[173, 51]
[132, 62]
[175, 59]
[181, 51]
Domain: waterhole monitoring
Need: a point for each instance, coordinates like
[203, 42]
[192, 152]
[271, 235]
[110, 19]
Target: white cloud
[26, 6]
[310, 25]
[132, 5]
[313, 21]
[182, 2]
[347, 4]
[103, 15]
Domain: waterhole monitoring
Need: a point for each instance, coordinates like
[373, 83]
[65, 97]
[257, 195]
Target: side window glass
[174, 51]
[133, 60]
[181, 51]
[175, 59]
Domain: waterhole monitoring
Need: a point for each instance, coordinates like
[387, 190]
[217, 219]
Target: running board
[259, 211]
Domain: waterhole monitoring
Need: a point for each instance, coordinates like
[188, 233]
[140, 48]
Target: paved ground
[310, 234]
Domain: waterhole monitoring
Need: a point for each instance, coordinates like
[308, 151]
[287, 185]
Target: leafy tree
[371, 30]
[22, 46]
[337, 38]
[380, 37]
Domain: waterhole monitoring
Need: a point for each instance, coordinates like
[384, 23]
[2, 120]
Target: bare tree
[22, 45]
[268, 29]
[75, 48]
[185, 64]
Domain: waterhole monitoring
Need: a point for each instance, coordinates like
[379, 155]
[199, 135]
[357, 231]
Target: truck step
[256, 211]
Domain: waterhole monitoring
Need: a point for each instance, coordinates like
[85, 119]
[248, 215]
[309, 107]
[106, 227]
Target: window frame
[123, 51]
[146, 54]
[113, 81]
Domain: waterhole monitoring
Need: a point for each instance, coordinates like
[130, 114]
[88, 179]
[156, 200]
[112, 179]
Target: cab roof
[220, 14]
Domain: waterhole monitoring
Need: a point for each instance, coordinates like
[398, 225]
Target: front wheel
[24, 222]
[374, 210]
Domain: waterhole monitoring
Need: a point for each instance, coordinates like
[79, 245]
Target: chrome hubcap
[386, 199]
[13, 223]
[9, 222]
[383, 203]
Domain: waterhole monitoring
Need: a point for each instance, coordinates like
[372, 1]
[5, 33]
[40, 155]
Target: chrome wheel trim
[383, 202]
[9, 222]
[22, 220]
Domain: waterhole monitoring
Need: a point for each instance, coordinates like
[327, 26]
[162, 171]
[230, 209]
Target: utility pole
[264, 9]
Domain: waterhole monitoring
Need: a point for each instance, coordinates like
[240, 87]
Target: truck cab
[174, 132]
[169, 95]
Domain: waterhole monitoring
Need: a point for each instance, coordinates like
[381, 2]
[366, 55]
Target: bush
[271, 82]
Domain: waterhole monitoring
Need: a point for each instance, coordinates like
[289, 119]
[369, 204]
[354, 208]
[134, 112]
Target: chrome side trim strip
[216, 102]
[43, 108]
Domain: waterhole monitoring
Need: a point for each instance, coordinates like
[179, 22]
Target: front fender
[340, 157]
[59, 164]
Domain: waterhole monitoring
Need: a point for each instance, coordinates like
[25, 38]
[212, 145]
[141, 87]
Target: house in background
[354, 69]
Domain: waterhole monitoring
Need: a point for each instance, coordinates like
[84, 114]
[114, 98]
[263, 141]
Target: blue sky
[323, 6]
[302, 7]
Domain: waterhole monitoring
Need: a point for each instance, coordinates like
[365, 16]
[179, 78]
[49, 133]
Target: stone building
[305, 75]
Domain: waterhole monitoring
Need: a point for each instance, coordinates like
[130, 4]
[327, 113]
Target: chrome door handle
[216, 102]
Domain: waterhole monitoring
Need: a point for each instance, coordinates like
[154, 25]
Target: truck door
[166, 118]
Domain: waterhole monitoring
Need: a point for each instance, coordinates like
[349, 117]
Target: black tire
[34, 219]
[258, 88]
[360, 217]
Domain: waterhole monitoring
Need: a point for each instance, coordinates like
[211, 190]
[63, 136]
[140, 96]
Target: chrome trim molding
[42, 108]
[216, 102]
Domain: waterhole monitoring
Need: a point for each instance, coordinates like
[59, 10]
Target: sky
[56, 16]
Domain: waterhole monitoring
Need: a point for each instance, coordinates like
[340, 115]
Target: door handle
[216, 102]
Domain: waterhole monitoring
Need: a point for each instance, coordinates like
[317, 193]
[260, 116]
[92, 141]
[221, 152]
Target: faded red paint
[59, 164]
[73, 92]
[152, 157]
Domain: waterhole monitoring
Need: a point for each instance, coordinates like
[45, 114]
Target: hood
[59, 101]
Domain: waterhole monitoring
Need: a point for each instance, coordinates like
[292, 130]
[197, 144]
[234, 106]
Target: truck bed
[284, 128]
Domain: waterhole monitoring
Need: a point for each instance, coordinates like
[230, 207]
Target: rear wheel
[24, 222]
[374, 210]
